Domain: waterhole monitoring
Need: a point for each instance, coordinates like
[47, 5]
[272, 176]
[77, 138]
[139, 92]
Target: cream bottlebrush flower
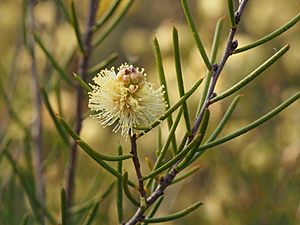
[125, 99]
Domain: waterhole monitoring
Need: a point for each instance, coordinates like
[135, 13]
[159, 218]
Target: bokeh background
[254, 179]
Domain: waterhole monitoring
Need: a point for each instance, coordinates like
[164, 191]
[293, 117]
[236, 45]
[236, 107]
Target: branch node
[237, 17]
[234, 45]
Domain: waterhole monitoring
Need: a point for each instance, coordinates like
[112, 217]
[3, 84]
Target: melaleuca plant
[121, 97]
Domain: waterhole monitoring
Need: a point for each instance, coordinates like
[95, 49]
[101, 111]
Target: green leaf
[194, 31]
[25, 219]
[26, 180]
[213, 56]
[98, 40]
[173, 108]
[168, 141]
[270, 36]
[58, 126]
[165, 147]
[204, 92]
[127, 191]
[11, 111]
[155, 208]
[88, 204]
[119, 188]
[186, 174]
[224, 120]
[159, 143]
[76, 27]
[64, 207]
[91, 216]
[163, 82]
[62, 7]
[175, 159]
[252, 75]
[95, 155]
[216, 40]
[88, 149]
[53, 62]
[174, 216]
[190, 156]
[180, 78]
[252, 125]
[5, 143]
[103, 64]
[231, 15]
[107, 15]
[82, 83]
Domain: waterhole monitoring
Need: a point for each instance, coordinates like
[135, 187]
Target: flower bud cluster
[132, 78]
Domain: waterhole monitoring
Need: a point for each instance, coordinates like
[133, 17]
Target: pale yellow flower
[125, 99]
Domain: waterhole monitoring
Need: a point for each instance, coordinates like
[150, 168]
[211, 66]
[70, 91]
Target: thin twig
[217, 69]
[82, 70]
[137, 168]
[37, 121]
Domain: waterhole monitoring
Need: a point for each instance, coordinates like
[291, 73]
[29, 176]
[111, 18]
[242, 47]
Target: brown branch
[137, 168]
[217, 69]
[82, 70]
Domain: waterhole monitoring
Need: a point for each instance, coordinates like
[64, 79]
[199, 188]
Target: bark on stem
[137, 168]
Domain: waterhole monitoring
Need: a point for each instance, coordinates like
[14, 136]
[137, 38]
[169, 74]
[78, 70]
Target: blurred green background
[254, 179]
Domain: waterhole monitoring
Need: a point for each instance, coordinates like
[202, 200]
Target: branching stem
[216, 71]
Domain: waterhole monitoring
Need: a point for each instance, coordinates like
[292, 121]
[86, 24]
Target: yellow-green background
[254, 179]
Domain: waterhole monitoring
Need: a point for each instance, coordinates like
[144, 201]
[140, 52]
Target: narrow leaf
[204, 92]
[174, 216]
[95, 155]
[252, 75]
[76, 27]
[88, 149]
[127, 191]
[91, 214]
[175, 159]
[25, 219]
[119, 188]
[58, 126]
[98, 40]
[163, 82]
[27, 183]
[216, 40]
[63, 9]
[252, 125]
[191, 155]
[154, 209]
[158, 142]
[186, 174]
[165, 147]
[224, 120]
[64, 208]
[11, 111]
[82, 83]
[107, 15]
[270, 36]
[173, 108]
[168, 141]
[231, 15]
[88, 204]
[180, 78]
[194, 31]
[53, 62]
